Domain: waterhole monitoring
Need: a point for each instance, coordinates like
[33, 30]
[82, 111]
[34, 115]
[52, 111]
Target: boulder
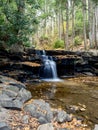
[12, 93]
[25, 119]
[40, 109]
[9, 93]
[7, 102]
[4, 114]
[4, 126]
[42, 120]
[48, 126]
[23, 95]
[62, 116]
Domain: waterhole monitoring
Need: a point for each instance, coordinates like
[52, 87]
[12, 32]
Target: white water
[52, 65]
[48, 70]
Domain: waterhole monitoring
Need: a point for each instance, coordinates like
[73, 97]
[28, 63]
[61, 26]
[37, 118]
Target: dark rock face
[66, 66]
[68, 63]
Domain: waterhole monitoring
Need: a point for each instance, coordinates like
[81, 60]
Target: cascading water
[40, 52]
[48, 71]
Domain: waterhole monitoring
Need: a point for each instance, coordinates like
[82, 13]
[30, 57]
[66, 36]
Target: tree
[93, 23]
[84, 24]
[67, 26]
[18, 18]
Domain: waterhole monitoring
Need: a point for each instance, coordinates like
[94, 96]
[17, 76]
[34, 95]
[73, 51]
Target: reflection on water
[72, 91]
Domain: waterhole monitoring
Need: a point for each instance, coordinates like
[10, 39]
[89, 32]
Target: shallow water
[78, 91]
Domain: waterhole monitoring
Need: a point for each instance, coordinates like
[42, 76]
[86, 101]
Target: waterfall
[48, 71]
[40, 52]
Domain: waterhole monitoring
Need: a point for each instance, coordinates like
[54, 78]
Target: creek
[77, 95]
[77, 91]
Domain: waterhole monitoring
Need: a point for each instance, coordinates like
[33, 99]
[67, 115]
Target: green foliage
[18, 21]
[79, 22]
[27, 44]
[44, 40]
[59, 44]
[77, 41]
[44, 37]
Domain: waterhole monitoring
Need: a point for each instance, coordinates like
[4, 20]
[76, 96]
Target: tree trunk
[52, 27]
[63, 30]
[96, 26]
[18, 47]
[59, 21]
[67, 27]
[73, 21]
[45, 8]
[90, 22]
[84, 24]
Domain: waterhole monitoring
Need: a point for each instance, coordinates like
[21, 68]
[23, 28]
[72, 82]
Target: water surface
[78, 91]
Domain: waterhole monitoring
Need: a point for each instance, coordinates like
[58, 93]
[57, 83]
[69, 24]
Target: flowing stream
[79, 91]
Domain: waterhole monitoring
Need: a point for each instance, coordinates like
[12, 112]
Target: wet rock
[62, 116]
[9, 93]
[88, 73]
[2, 124]
[12, 88]
[4, 98]
[48, 126]
[18, 85]
[5, 128]
[8, 102]
[23, 95]
[12, 93]
[4, 114]
[11, 82]
[74, 108]
[5, 79]
[94, 53]
[94, 94]
[25, 119]
[42, 120]
[31, 108]
[40, 108]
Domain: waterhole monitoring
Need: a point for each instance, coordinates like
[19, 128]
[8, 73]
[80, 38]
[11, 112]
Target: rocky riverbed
[19, 111]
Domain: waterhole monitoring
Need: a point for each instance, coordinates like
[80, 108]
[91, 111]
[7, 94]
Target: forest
[53, 24]
[48, 64]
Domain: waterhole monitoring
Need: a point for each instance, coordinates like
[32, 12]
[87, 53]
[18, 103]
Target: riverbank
[17, 113]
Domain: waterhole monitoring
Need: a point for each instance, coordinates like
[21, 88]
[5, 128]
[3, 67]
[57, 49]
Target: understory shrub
[77, 41]
[59, 44]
